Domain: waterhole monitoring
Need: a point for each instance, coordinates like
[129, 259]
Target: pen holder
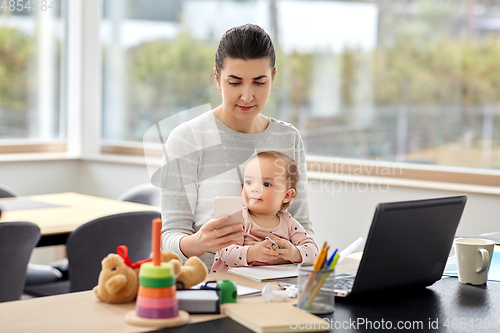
[316, 289]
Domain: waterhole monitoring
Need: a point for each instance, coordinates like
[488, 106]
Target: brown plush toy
[118, 280]
[192, 273]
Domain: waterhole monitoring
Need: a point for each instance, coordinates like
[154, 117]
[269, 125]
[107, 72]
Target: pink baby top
[290, 229]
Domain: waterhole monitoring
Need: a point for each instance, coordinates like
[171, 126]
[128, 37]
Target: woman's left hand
[288, 251]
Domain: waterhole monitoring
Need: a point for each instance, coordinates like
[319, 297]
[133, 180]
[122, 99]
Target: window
[398, 80]
[31, 79]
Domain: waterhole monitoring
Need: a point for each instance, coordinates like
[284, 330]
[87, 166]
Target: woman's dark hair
[245, 42]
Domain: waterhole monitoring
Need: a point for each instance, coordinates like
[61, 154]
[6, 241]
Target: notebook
[266, 273]
[244, 291]
[274, 317]
[408, 245]
[198, 301]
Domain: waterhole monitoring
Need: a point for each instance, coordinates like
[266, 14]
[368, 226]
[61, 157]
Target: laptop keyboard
[344, 283]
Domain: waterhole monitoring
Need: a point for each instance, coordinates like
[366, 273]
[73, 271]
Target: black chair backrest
[6, 192]
[90, 243]
[146, 194]
[17, 240]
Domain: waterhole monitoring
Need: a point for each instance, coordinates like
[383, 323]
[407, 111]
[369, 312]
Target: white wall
[339, 217]
[110, 180]
[39, 177]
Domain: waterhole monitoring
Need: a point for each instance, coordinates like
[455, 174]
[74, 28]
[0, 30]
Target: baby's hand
[288, 251]
[261, 252]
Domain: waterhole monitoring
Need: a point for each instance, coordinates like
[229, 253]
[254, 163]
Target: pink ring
[156, 313]
[156, 303]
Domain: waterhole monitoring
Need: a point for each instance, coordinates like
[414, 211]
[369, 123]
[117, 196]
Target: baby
[270, 184]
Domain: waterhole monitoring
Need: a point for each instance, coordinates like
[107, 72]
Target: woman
[206, 155]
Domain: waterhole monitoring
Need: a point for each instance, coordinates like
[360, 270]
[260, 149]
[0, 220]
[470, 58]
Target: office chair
[17, 241]
[34, 273]
[146, 194]
[90, 243]
[6, 192]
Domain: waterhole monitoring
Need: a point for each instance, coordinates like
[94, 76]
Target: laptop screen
[408, 243]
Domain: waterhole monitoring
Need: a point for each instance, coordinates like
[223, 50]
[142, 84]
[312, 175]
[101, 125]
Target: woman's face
[245, 86]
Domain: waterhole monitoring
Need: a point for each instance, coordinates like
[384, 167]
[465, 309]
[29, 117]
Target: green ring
[164, 270]
[157, 283]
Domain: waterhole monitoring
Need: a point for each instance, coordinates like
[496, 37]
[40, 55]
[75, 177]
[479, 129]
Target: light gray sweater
[204, 159]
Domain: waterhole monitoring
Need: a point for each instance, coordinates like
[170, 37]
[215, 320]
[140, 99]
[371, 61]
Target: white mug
[473, 259]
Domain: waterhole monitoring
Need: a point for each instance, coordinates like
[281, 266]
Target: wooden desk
[446, 301]
[75, 209]
[82, 312]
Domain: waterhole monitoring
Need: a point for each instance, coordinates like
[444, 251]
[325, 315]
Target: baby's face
[265, 186]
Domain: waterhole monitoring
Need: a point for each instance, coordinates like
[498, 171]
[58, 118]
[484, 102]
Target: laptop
[408, 245]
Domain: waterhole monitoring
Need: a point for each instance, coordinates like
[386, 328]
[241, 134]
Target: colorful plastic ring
[156, 292]
[156, 303]
[156, 313]
[157, 283]
[164, 270]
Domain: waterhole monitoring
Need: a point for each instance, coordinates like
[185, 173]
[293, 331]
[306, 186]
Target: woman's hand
[209, 238]
[262, 252]
[288, 251]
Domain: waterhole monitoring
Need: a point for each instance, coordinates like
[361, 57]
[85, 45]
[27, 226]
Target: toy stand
[182, 319]
[160, 310]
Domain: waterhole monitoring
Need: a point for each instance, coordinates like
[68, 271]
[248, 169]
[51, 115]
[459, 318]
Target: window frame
[84, 118]
[319, 165]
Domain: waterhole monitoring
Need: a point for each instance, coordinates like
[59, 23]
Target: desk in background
[447, 299]
[71, 210]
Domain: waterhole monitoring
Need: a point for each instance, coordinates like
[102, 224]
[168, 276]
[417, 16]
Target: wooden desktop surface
[82, 312]
[75, 209]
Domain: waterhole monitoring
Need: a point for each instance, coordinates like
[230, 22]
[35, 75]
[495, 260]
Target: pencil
[317, 265]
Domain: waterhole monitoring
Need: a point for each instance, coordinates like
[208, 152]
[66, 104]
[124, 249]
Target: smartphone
[228, 206]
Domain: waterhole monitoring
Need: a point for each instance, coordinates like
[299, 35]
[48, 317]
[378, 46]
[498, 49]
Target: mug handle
[485, 258]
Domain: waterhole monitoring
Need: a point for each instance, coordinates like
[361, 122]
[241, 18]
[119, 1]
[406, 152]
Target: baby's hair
[290, 166]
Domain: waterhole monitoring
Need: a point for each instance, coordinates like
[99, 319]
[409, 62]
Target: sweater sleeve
[299, 206]
[303, 242]
[234, 255]
[178, 188]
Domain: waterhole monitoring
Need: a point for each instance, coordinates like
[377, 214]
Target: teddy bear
[193, 272]
[118, 280]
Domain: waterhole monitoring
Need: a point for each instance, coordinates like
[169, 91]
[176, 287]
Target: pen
[329, 261]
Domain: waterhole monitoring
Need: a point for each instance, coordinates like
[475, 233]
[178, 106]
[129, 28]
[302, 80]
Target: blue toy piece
[274, 246]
